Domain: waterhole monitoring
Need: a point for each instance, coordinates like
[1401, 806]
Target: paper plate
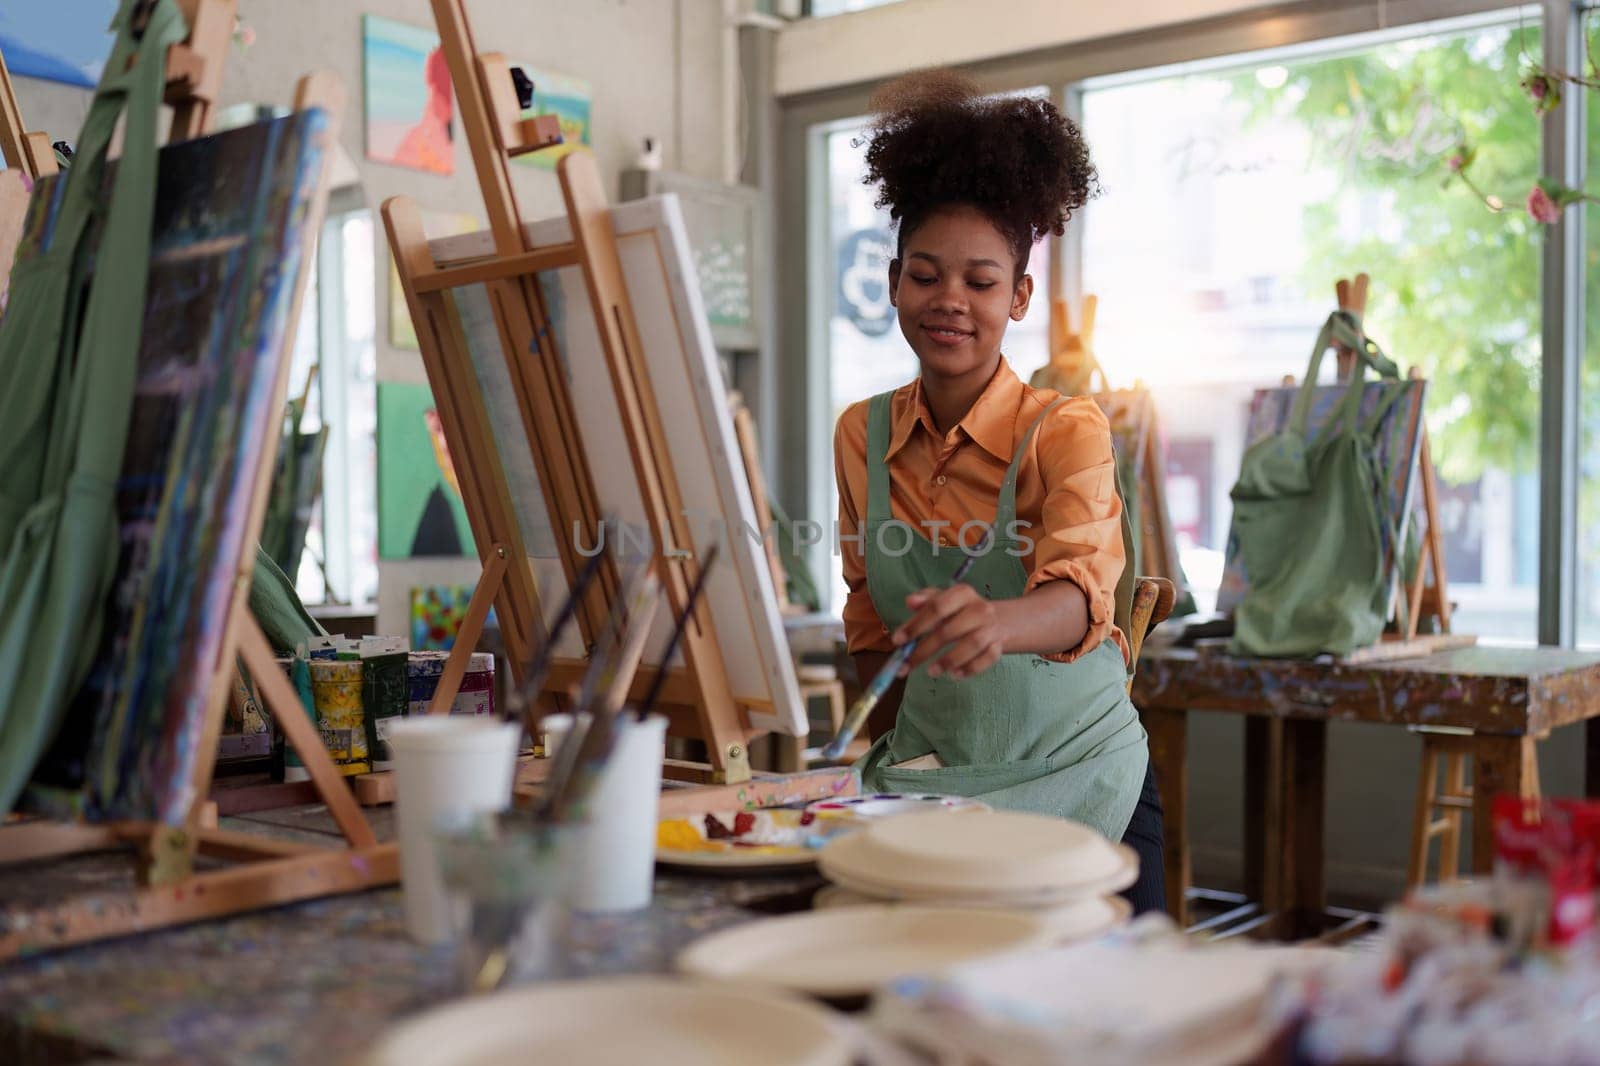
[621, 1021]
[856, 863]
[1069, 922]
[996, 850]
[853, 951]
[884, 804]
[746, 840]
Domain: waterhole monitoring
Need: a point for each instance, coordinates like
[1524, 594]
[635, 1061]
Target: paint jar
[476, 694]
[385, 693]
[336, 692]
[611, 865]
[448, 770]
[423, 670]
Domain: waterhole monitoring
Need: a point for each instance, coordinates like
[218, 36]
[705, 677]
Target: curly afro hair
[938, 140]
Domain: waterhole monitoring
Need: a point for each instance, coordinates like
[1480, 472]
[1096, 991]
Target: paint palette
[745, 840]
[853, 951]
[884, 804]
[669, 1022]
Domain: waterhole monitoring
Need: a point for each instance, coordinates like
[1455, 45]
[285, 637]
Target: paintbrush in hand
[886, 677]
[677, 631]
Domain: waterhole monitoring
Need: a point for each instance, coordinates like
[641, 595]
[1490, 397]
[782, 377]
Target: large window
[1234, 197]
[336, 333]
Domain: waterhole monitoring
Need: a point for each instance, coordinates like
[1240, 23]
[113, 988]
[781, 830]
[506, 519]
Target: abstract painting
[420, 512]
[568, 99]
[408, 96]
[66, 41]
[231, 240]
[435, 224]
[437, 612]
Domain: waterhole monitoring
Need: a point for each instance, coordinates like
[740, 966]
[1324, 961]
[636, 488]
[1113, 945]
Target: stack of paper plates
[1001, 858]
[1066, 923]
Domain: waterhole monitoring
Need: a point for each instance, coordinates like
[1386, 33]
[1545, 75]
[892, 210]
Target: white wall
[881, 42]
[656, 68]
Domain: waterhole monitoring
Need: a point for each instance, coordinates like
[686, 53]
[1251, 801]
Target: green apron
[1029, 733]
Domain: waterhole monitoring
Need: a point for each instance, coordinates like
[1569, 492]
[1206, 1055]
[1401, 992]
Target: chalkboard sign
[724, 239]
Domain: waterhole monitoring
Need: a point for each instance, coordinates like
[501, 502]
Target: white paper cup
[613, 854]
[447, 769]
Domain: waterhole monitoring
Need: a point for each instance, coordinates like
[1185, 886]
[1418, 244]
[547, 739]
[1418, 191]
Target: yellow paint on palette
[336, 690]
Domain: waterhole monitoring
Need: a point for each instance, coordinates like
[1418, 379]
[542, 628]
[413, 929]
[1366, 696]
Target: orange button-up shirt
[1066, 493]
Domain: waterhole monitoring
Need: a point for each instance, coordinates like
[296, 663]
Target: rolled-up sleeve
[863, 628]
[1081, 536]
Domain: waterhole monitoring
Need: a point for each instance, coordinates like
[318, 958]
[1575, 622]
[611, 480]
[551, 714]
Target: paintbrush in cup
[526, 695]
[891, 670]
[600, 739]
[640, 592]
[678, 627]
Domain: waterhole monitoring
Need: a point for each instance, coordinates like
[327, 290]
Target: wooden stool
[1439, 807]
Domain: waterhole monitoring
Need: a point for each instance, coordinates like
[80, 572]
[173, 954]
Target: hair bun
[938, 140]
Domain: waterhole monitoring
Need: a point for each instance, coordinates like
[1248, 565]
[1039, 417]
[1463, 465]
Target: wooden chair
[1153, 599]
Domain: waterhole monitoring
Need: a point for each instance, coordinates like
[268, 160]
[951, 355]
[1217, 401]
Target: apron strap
[1006, 512]
[877, 458]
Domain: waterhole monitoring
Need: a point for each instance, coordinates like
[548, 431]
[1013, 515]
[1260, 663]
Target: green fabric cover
[1309, 520]
[68, 349]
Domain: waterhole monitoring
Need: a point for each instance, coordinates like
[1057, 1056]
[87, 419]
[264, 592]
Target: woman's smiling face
[955, 288]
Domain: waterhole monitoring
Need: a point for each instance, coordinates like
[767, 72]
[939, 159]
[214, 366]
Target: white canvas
[702, 448]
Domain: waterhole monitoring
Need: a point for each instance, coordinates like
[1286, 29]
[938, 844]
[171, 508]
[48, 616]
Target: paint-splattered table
[1508, 698]
[310, 983]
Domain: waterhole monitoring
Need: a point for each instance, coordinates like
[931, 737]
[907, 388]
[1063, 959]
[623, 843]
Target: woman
[1017, 690]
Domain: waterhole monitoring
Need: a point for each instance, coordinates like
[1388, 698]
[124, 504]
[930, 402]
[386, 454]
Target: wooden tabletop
[314, 982]
[1482, 688]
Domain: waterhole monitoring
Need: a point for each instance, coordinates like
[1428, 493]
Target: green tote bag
[1309, 522]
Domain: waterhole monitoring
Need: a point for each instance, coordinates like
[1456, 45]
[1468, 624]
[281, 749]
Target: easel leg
[483, 597]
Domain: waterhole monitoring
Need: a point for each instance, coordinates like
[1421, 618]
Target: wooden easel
[744, 426]
[696, 697]
[1417, 598]
[26, 150]
[1072, 371]
[28, 157]
[265, 872]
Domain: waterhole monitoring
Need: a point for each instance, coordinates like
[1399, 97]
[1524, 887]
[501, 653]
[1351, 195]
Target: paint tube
[384, 693]
[294, 769]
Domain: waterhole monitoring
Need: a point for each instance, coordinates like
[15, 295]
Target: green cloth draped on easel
[68, 352]
[1311, 521]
